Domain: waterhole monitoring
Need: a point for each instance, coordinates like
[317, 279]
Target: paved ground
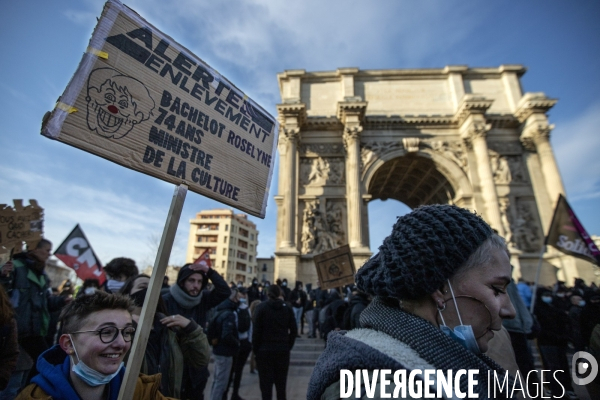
[302, 360]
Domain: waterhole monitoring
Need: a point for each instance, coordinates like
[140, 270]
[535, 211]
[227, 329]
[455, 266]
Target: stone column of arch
[474, 130]
[351, 114]
[352, 144]
[292, 117]
[292, 136]
[535, 138]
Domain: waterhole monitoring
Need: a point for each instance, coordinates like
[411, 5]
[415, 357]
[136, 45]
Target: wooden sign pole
[146, 318]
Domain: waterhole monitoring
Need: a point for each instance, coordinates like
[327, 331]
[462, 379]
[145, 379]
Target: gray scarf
[183, 299]
[430, 343]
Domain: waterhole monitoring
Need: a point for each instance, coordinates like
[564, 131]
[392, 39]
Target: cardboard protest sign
[335, 268]
[76, 252]
[141, 100]
[20, 224]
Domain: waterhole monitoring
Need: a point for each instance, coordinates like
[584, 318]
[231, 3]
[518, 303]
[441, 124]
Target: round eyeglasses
[108, 334]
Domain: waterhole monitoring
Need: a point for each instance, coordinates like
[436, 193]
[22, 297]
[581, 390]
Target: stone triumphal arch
[466, 136]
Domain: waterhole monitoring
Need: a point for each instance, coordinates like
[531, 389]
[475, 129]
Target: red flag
[569, 236]
[204, 259]
[77, 253]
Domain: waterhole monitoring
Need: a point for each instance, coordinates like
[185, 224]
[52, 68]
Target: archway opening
[412, 180]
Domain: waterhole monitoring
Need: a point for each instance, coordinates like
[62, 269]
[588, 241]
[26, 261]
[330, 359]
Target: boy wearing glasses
[88, 361]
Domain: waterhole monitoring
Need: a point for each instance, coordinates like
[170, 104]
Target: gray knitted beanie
[425, 248]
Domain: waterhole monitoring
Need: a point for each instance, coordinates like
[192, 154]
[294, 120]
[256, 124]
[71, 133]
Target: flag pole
[147, 316]
[537, 279]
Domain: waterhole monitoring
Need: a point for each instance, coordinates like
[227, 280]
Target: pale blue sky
[249, 42]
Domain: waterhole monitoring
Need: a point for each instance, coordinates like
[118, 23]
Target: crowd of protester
[67, 342]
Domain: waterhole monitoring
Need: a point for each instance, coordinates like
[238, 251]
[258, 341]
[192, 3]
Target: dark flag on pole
[568, 235]
[77, 253]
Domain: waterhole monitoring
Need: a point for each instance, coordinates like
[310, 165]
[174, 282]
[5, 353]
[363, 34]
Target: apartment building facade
[231, 239]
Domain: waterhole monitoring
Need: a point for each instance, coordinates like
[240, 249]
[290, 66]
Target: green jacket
[31, 298]
[167, 352]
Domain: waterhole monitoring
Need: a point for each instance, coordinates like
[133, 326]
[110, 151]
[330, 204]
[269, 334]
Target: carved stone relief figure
[451, 150]
[500, 168]
[515, 164]
[318, 171]
[308, 226]
[525, 230]
[321, 171]
[506, 219]
[335, 215]
[336, 171]
[322, 231]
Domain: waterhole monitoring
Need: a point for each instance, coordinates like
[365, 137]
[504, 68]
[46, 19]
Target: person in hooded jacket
[173, 340]
[285, 290]
[227, 345]
[439, 285]
[88, 361]
[189, 298]
[253, 292]
[273, 336]
[244, 330]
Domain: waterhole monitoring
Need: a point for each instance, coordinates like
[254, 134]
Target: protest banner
[141, 100]
[77, 253]
[335, 268]
[20, 224]
[567, 234]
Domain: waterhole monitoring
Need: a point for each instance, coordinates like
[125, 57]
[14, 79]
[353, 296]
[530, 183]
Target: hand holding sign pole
[147, 315]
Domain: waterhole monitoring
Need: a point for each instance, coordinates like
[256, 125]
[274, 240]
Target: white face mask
[462, 334]
[113, 285]
[89, 375]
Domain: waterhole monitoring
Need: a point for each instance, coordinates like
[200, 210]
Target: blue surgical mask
[581, 303]
[547, 299]
[90, 376]
[462, 334]
[243, 301]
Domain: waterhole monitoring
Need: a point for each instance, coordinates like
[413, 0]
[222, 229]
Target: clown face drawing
[116, 103]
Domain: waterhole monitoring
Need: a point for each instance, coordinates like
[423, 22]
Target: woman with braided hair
[439, 292]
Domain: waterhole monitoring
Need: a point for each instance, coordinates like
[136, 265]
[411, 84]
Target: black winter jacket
[554, 324]
[228, 343]
[274, 327]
